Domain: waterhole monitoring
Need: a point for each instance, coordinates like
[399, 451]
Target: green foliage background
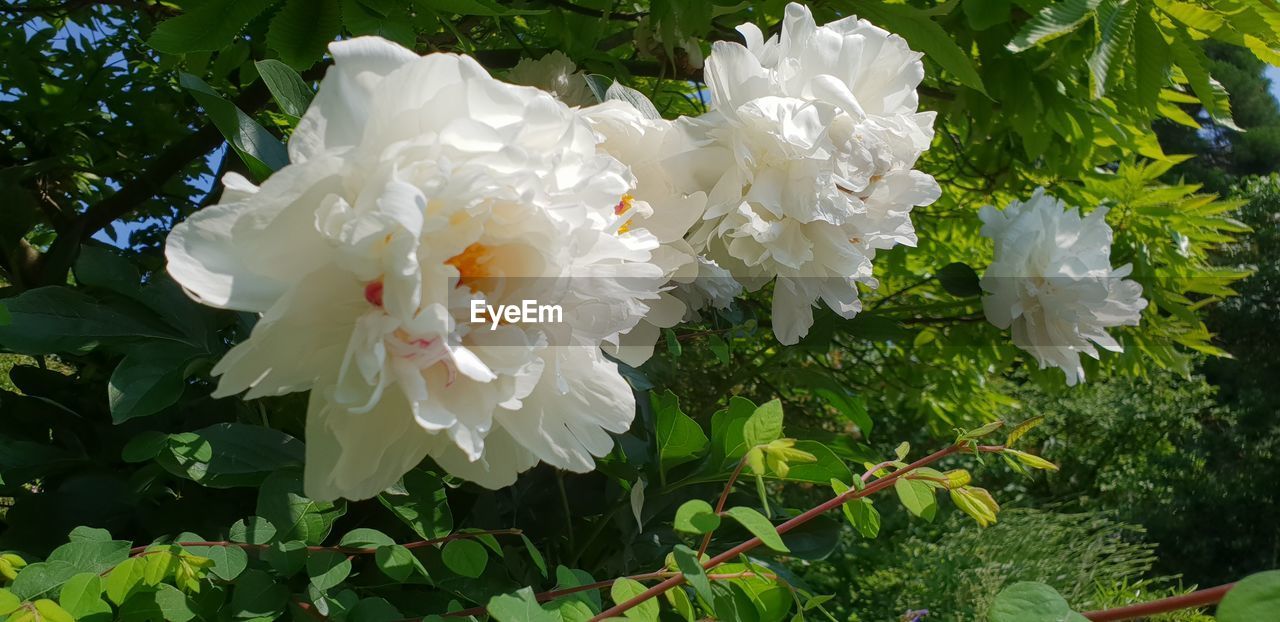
[112, 124]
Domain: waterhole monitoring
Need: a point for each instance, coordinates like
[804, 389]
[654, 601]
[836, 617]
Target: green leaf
[696, 516]
[535, 555]
[144, 446]
[228, 561]
[253, 530]
[927, 36]
[727, 440]
[47, 320]
[465, 557]
[257, 595]
[302, 29]
[294, 516]
[719, 348]
[174, 605]
[1051, 22]
[125, 579]
[81, 596]
[395, 561]
[673, 343]
[1195, 65]
[1028, 601]
[48, 611]
[420, 501]
[91, 555]
[260, 151]
[365, 538]
[689, 565]
[149, 379]
[374, 610]
[984, 14]
[521, 606]
[861, 512]
[226, 455]
[625, 589]
[764, 425]
[286, 558]
[759, 526]
[1255, 597]
[207, 27]
[1115, 31]
[327, 569]
[917, 497]
[680, 438]
[42, 578]
[288, 89]
[1192, 15]
[391, 22]
[476, 7]
[822, 470]
[959, 280]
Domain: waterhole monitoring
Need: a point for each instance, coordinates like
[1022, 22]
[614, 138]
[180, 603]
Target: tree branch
[1202, 598]
[796, 521]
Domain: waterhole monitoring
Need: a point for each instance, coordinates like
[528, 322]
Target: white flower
[712, 287]
[663, 203]
[1052, 281]
[555, 73]
[416, 185]
[814, 133]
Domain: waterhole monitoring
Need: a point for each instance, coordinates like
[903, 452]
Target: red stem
[797, 521]
[598, 585]
[1202, 598]
[724, 498]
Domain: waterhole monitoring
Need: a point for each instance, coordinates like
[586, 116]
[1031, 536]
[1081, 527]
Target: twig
[1201, 598]
[600, 585]
[797, 521]
[724, 497]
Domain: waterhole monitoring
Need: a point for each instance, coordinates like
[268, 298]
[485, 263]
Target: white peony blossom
[661, 203]
[813, 136]
[417, 185]
[1052, 281]
[554, 73]
[712, 287]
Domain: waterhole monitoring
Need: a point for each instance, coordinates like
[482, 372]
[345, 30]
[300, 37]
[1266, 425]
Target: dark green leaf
[257, 595]
[209, 26]
[465, 557]
[395, 561]
[227, 455]
[959, 280]
[327, 569]
[148, 380]
[302, 29]
[295, 517]
[689, 565]
[261, 152]
[1255, 597]
[253, 530]
[47, 320]
[420, 502]
[680, 439]
[290, 92]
